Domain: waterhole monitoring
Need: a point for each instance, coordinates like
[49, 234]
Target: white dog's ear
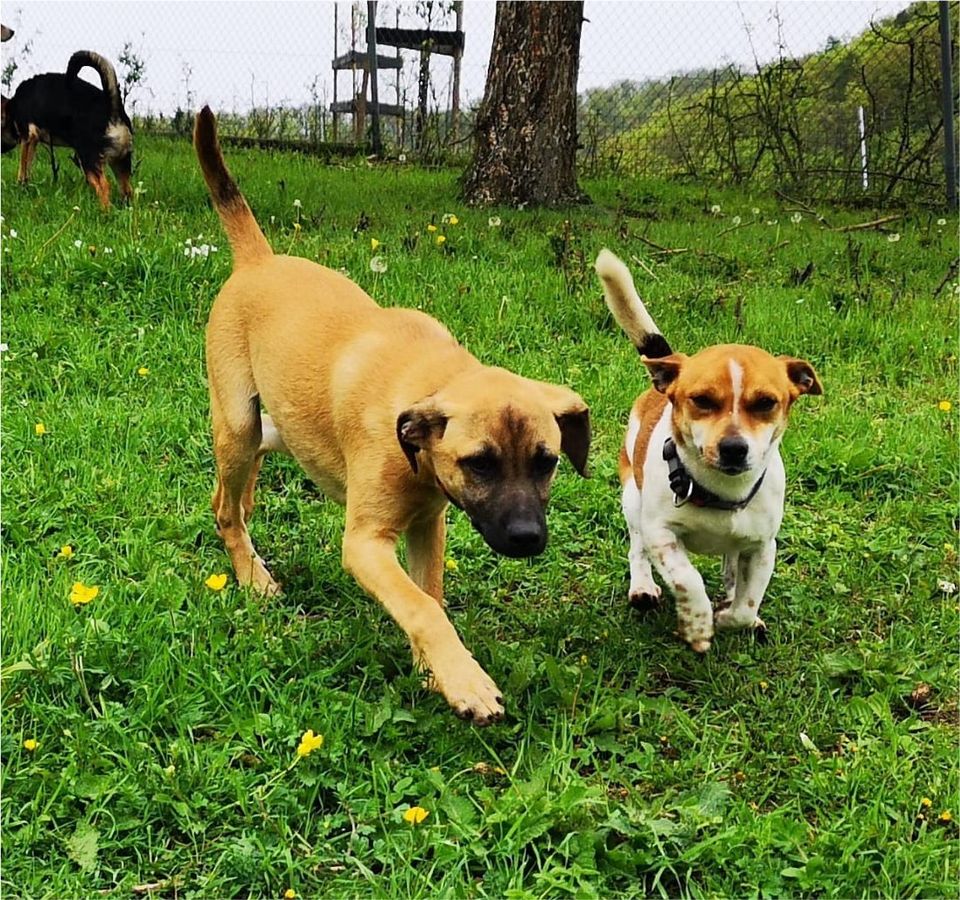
[801, 373]
[418, 428]
[664, 370]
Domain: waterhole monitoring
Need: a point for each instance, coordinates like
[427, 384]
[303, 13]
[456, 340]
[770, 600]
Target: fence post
[946, 81]
[372, 64]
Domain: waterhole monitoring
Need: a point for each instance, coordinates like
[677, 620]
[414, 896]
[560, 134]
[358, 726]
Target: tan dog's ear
[801, 373]
[573, 417]
[417, 428]
[664, 370]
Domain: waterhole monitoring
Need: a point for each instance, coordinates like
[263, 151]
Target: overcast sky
[227, 53]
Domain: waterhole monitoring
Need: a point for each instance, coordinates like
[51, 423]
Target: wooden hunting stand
[369, 61]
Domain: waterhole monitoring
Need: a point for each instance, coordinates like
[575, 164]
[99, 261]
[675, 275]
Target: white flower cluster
[192, 250]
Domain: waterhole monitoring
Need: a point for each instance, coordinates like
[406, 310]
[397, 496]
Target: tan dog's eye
[762, 405]
[705, 403]
[482, 465]
[544, 464]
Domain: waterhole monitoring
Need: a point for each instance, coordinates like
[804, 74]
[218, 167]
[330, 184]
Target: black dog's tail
[108, 78]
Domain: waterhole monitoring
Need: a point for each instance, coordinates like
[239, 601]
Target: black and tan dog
[66, 111]
[388, 414]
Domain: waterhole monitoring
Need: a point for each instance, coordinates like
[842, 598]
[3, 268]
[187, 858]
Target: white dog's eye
[705, 402]
[762, 404]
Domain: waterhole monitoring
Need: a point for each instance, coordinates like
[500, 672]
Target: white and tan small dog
[701, 467]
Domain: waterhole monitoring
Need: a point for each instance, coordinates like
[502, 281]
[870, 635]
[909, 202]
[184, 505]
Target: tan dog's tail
[627, 307]
[243, 232]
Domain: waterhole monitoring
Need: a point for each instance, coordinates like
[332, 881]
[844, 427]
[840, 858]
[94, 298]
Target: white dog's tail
[627, 307]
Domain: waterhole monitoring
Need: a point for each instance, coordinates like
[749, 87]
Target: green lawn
[167, 715]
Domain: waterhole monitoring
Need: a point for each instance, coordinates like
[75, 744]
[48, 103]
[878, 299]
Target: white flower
[756, 210]
[796, 218]
[297, 204]
[186, 251]
[13, 232]
[494, 221]
[78, 244]
[108, 249]
[715, 209]
[893, 238]
[946, 587]
[76, 209]
[188, 242]
[378, 264]
[772, 221]
[214, 248]
[941, 222]
[4, 348]
[736, 220]
[402, 158]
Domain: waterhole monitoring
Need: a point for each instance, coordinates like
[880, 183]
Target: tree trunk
[525, 141]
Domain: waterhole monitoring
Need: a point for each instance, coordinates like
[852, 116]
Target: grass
[167, 715]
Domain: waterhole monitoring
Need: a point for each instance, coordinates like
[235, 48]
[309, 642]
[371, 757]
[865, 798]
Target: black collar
[686, 490]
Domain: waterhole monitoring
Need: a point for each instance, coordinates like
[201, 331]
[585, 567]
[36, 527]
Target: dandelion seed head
[378, 265]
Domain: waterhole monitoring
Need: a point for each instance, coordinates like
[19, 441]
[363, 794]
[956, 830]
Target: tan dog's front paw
[469, 690]
[255, 575]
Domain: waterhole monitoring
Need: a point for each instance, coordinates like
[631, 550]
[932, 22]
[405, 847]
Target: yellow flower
[943, 406]
[143, 370]
[66, 552]
[289, 894]
[431, 228]
[216, 582]
[374, 243]
[945, 816]
[763, 685]
[296, 226]
[415, 815]
[30, 744]
[454, 220]
[39, 429]
[441, 239]
[926, 802]
[81, 594]
[309, 742]
[452, 565]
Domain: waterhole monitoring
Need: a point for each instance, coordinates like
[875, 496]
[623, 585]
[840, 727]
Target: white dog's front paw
[731, 618]
[645, 597]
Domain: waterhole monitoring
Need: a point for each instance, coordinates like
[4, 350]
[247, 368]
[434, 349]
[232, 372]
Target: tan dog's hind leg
[236, 444]
[270, 442]
[369, 555]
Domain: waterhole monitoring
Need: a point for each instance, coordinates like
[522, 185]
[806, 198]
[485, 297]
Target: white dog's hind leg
[644, 593]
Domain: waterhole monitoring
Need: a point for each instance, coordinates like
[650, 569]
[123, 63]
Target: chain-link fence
[835, 100]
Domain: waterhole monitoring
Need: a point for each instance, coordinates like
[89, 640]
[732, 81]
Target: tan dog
[701, 467]
[388, 414]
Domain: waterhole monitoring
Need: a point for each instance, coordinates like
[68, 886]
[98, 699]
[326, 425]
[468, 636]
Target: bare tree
[525, 140]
